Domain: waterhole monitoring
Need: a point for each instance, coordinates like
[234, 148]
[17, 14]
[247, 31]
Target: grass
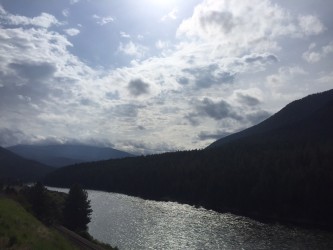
[20, 230]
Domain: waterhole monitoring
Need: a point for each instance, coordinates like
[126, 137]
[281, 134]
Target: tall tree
[77, 209]
[41, 203]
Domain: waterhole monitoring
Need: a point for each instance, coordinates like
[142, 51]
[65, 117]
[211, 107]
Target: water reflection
[133, 223]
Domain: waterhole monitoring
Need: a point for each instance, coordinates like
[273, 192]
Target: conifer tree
[77, 209]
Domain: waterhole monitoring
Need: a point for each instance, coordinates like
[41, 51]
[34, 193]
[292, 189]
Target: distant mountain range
[64, 154]
[279, 169]
[15, 167]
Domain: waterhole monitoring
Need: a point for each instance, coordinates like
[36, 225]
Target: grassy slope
[20, 230]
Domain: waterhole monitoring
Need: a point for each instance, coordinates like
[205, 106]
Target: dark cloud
[140, 127]
[248, 100]
[193, 119]
[217, 110]
[183, 80]
[258, 116]
[261, 59]
[222, 19]
[138, 87]
[205, 77]
[204, 135]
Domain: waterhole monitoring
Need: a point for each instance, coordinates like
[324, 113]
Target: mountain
[280, 169]
[13, 166]
[64, 154]
[291, 115]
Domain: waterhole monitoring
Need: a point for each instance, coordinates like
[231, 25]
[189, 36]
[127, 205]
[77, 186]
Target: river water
[133, 223]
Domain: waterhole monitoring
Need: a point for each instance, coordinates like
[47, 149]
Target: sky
[152, 76]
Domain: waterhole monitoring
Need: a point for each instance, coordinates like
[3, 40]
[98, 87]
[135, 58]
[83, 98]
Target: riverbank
[19, 229]
[15, 205]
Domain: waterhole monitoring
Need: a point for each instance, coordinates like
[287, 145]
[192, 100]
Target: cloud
[132, 49]
[10, 137]
[226, 57]
[161, 44]
[65, 12]
[216, 110]
[44, 20]
[144, 148]
[222, 20]
[113, 95]
[314, 56]
[310, 25]
[248, 100]
[125, 35]
[206, 76]
[127, 110]
[103, 20]
[236, 27]
[72, 32]
[172, 15]
[138, 87]
[263, 59]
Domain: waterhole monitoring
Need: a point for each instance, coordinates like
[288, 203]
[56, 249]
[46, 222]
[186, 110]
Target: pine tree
[77, 209]
[41, 203]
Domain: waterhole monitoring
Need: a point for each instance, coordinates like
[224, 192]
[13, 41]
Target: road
[79, 241]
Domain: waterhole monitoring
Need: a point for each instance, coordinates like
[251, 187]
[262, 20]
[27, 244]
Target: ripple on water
[134, 223]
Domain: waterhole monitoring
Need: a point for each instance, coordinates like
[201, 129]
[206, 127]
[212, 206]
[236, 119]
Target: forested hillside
[15, 167]
[284, 173]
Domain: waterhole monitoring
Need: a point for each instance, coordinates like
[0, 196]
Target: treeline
[290, 180]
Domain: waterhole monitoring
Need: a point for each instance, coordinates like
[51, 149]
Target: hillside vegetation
[15, 167]
[20, 230]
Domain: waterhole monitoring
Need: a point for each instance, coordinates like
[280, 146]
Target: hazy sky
[149, 76]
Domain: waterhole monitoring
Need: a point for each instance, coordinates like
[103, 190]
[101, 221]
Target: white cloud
[310, 25]
[72, 32]
[172, 15]
[314, 56]
[44, 20]
[133, 49]
[65, 12]
[125, 35]
[235, 27]
[103, 20]
[229, 53]
[161, 44]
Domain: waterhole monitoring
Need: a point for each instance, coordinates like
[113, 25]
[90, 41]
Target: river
[133, 223]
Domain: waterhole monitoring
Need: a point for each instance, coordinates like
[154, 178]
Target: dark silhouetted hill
[15, 167]
[291, 115]
[64, 155]
[281, 168]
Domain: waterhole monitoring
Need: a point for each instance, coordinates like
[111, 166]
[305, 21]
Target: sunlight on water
[134, 223]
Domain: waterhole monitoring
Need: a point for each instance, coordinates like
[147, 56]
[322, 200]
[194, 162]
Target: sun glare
[163, 2]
